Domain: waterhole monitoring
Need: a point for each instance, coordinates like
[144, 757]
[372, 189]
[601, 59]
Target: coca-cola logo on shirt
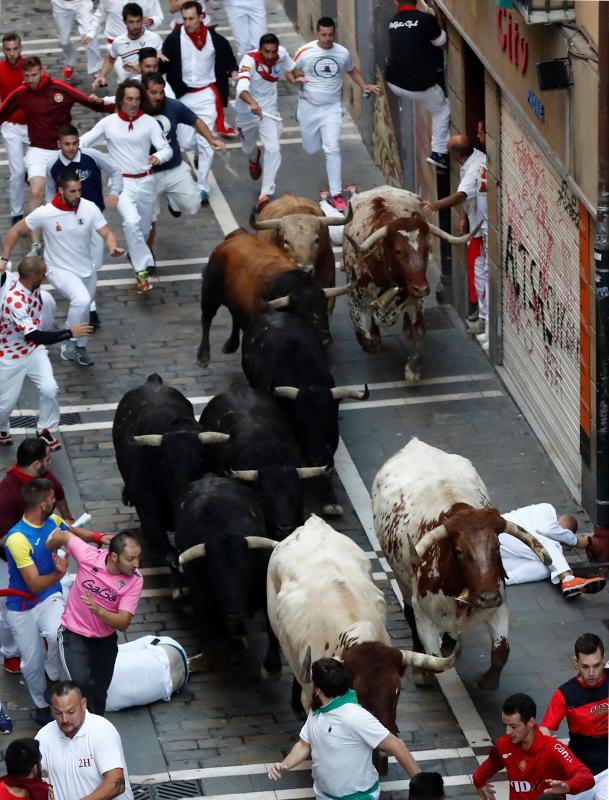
[101, 591]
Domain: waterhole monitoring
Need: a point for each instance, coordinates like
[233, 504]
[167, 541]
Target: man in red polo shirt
[14, 130]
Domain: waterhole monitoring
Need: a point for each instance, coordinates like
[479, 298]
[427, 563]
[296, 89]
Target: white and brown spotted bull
[385, 252]
[435, 523]
[322, 602]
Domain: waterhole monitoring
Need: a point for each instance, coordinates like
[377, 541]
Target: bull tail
[154, 378]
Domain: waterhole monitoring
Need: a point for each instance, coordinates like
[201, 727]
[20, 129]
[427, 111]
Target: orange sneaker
[576, 586]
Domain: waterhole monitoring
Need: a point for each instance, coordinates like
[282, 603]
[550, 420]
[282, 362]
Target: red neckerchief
[43, 82]
[22, 477]
[37, 789]
[199, 37]
[407, 7]
[127, 118]
[61, 204]
[262, 68]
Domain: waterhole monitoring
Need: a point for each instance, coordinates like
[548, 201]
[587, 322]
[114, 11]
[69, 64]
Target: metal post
[601, 277]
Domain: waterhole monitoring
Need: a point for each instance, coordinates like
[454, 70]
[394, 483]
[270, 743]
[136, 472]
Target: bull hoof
[332, 510]
[269, 674]
[230, 346]
[180, 592]
[203, 359]
[410, 376]
[423, 678]
[125, 497]
[371, 345]
[489, 681]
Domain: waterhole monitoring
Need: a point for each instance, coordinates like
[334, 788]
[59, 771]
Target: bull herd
[230, 484]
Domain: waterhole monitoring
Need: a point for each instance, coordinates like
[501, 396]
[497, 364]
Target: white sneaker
[482, 338]
[35, 249]
[485, 346]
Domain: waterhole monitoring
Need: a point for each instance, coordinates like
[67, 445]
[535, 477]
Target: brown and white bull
[385, 252]
[322, 602]
[301, 229]
[435, 523]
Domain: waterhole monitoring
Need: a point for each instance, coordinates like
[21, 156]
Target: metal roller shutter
[540, 281]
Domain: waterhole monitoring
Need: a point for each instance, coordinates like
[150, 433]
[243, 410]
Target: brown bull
[385, 253]
[248, 276]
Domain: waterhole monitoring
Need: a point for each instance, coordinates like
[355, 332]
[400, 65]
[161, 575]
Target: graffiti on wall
[385, 147]
[540, 262]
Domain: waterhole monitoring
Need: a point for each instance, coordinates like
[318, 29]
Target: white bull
[322, 602]
[433, 518]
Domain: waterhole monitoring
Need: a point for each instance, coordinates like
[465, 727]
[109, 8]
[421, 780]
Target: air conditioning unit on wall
[543, 12]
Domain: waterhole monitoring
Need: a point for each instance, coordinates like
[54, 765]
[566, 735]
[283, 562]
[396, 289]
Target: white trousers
[79, 291]
[30, 628]
[248, 24]
[600, 790]
[136, 205]
[203, 104]
[49, 307]
[64, 15]
[481, 281]
[181, 190]
[522, 565]
[320, 127]
[37, 367]
[97, 256]
[8, 645]
[16, 142]
[436, 102]
[269, 132]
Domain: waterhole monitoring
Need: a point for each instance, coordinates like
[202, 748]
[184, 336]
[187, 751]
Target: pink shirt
[112, 592]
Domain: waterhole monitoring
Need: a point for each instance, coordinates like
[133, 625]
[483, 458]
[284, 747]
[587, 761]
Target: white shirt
[67, 235]
[112, 12]
[323, 70]
[262, 90]
[76, 766]
[198, 66]
[470, 172]
[342, 741]
[126, 50]
[20, 314]
[129, 148]
[541, 518]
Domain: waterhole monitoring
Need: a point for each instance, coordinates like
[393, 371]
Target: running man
[124, 50]
[14, 129]
[64, 14]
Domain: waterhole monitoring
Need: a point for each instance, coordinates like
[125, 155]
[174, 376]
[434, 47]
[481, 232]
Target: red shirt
[10, 78]
[47, 108]
[11, 502]
[546, 759]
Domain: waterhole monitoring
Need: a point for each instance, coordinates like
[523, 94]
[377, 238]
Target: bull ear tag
[414, 556]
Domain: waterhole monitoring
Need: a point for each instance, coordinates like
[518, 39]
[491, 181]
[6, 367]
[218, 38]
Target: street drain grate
[30, 422]
[174, 790]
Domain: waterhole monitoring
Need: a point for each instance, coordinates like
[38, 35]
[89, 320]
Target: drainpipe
[600, 542]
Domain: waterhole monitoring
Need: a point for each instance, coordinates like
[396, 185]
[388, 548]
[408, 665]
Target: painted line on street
[415, 401]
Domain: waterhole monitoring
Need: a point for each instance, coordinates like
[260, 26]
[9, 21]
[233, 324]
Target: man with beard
[173, 177]
[103, 601]
[23, 777]
[67, 224]
[82, 752]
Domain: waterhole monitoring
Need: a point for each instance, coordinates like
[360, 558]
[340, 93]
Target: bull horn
[213, 437]
[265, 225]
[371, 242]
[194, 552]
[260, 543]
[150, 439]
[291, 392]
[526, 538]
[340, 220]
[424, 661]
[344, 392]
[430, 538]
[337, 291]
[279, 302]
[448, 237]
[463, 597]
[244, 474]
[383, 300]
[310, 472]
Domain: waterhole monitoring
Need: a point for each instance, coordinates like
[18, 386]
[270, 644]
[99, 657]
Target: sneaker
[68, 72]
[338, 201]
[485, 345]
[352, 190]
[172, 211]
[263, 201]
[143, 284]
[42, 716]
[227, 132]
[68, 350]
[83, 358]
[577, 586]
[474, 316]
[439, 160]
[254, 166]
[204, 197]
[482, 338]
[6, 723]
[12, 665]
[475, 328]
[324, 194]
[6, 439]
[48, 438]
[94, 319]
[17, 218]
[35, 249]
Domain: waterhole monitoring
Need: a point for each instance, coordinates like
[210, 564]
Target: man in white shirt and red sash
[256, 106]
[124, 51]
